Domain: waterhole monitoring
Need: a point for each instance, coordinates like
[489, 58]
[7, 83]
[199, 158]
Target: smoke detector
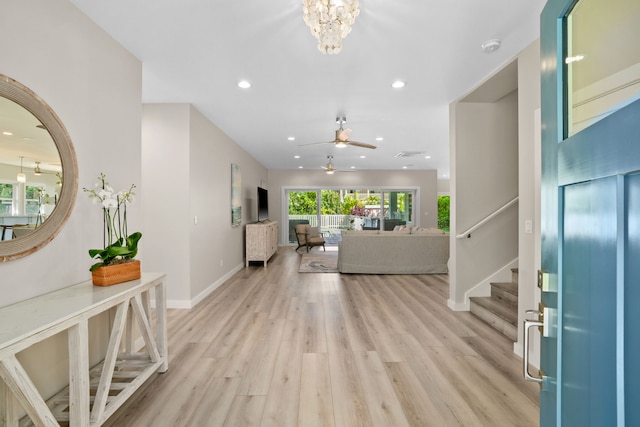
[491, 45]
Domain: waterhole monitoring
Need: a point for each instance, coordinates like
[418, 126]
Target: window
[6, 198]
[12, 204]
[32, 200]
[443, 212]
[337, 209]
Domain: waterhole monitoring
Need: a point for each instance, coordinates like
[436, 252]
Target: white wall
[528, 189]
[444, 187]
[165, 177]
[94, 86]
[485, 152]
[187, 157]
[425, 180]
[217, 248]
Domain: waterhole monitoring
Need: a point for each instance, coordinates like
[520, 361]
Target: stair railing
[488, 218]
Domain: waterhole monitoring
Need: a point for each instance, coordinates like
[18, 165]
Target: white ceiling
[195, 51]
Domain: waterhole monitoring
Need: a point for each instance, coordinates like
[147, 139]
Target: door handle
[525, 359]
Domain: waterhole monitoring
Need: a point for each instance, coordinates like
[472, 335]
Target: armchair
[309, 237]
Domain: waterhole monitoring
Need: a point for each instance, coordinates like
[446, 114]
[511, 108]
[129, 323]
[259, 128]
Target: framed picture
[236, 196]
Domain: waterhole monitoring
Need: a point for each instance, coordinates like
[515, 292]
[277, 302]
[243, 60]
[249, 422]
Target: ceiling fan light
[21, 177]
[330, 172]
[341, 144]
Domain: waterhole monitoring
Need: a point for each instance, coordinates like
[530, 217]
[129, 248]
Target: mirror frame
[28, 244]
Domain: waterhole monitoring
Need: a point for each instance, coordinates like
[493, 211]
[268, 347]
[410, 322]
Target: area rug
[319, 263]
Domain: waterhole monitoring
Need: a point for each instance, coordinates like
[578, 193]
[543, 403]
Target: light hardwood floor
[274, 347]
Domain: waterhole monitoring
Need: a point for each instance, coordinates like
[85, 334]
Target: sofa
[407, 251]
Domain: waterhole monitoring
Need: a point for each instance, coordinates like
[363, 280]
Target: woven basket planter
[108, 275]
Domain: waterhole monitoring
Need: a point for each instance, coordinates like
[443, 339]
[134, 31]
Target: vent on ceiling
[409, 154]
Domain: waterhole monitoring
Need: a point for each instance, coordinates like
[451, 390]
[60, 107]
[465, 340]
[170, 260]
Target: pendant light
[21, 176]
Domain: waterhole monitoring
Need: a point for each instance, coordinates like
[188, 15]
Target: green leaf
[96, 265]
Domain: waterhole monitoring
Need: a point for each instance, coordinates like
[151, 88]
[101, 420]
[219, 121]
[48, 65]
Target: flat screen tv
[263, 204]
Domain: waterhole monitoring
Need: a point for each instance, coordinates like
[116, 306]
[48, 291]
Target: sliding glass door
[337, 209]
[398, 208]
[303, 209]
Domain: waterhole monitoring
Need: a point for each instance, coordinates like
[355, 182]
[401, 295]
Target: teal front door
[590, 213]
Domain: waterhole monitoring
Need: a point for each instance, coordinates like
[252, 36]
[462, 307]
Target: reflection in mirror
[35, 154]
[30, 171]
[603, 60]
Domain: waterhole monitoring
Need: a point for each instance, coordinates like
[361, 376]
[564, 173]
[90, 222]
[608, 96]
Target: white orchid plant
[118, 245]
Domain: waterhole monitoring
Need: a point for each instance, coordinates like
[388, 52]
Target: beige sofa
[393, 252]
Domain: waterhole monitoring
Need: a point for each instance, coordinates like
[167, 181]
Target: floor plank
[272, 347]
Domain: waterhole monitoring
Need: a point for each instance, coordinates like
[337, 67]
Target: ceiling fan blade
[316, 143]
[361, 144]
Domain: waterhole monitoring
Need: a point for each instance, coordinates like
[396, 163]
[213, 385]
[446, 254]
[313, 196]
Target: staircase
[500, 310]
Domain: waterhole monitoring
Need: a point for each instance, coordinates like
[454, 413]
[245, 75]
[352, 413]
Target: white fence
[327, 222]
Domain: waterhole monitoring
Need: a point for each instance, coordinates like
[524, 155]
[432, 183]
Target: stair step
[506, 291]
[502, 317]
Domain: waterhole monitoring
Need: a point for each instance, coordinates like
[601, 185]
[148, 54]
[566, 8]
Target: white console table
[94, 393]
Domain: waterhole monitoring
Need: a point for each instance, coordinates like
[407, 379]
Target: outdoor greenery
[6, 191]
[330, 204]
[443, 212]
[304, 202]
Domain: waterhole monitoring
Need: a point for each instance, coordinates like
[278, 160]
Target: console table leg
[161, 319]
[25, 391]
[79, 398]
[8, 407]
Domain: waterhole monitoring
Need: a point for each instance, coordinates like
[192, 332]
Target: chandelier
[330, 21]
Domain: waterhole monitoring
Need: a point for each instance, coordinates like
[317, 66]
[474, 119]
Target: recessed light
[363, 157]
[292, 138]
[405, 167]
[353, 167]
[427, 157]
[379, 138]
[398, 84]
[7, 133]
[243, 84]
[300, 167]
[296, 157]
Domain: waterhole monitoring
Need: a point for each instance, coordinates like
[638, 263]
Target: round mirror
[38, 171]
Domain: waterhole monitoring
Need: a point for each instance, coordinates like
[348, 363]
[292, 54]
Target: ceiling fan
[342, 137]
[330, 169]
[38, 171]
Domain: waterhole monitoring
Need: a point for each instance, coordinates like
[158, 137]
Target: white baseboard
[483, 288]
[202, 295]
[176, 303]
[188, 304]
[457, 306]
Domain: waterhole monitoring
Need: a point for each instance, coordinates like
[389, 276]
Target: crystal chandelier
[330, 21]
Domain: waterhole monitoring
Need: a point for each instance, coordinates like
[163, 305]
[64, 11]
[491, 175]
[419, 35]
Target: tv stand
[261, 241]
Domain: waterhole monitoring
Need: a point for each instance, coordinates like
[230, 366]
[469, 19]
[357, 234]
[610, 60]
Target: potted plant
[117, 263]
